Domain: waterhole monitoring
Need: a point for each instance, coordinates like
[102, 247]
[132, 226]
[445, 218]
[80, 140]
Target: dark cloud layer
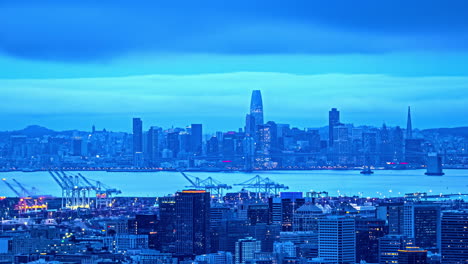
[101, 30]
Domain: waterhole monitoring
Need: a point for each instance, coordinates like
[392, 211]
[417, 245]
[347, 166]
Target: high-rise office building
[306, 218]
[185, 142]
[229, 232]
[249, 126]
[409, 126]
[385, 145]
[246, 248]
[267, 234]
[258, 213]
[389, 246]
[167, 224]
[368, 232]
[337, 241]
[398, 144]
[192, 210]
[267, 138]
[173, 143]
[369, 144]
[454, 237]
[137, 135]
[333, 120]
[152, 145]
[256, 107]
[196, 139]
[393, 214]
[77, 146]
[212, 146]
[422, 222]
[412, 255]
[289, 205]
[276, 210]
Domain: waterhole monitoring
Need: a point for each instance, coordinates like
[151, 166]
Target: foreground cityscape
[259, 145]
[208, 223]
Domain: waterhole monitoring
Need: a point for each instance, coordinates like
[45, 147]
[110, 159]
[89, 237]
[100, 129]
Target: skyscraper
[409, 127]
[77, 146]
[389, 247]
[333, 120]
[422, 222]
[398, 144]
[385, 145]
[267, 138]
[249, 126]
[393, 214]
[137, 135]
[368, 232]
[455, 237]
[173, 143]
[167, 224]
[152, 145]
[337, 241]
[256, 108]
[196, 139]
[412, 256]
[246, 248]
[192, 210]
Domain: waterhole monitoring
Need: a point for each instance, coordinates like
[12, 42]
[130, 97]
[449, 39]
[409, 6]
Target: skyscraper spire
[409, 127]
[256, 107]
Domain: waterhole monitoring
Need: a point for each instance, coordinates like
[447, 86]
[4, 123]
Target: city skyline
[120, 124]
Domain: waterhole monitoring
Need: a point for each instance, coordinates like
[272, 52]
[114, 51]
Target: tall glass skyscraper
[196, 139]
[192, 211]
[256, 107]
[333, 120]
[137, 135]
[455, 237]
[337, 240]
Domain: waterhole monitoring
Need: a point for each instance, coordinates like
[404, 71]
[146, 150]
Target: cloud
[221, 100]
[82, 31]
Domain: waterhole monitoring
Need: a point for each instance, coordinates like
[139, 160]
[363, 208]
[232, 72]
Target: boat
[367, 171]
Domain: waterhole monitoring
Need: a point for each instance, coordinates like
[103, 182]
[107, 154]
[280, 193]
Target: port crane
[104, 193]
[11, 187]
[27, 200]
[263, 185]
[209, 184]
[77, 191]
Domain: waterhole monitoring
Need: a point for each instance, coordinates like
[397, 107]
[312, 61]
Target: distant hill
[34, 131]
[456, 131]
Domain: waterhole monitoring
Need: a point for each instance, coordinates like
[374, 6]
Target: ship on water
[434, 165]
[367, 170]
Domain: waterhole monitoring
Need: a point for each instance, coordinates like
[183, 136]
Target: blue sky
[72, 64]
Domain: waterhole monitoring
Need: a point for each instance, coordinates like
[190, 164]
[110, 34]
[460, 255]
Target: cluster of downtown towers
[290, 228]
[268, 145]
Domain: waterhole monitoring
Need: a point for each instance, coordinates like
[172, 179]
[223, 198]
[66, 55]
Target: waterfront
[347, 182]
